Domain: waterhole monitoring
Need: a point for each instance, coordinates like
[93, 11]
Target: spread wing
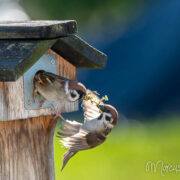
[68, 128]
[81, 141]
[91, 111]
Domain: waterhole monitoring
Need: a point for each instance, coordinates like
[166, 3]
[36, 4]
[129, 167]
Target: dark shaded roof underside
[19, 51]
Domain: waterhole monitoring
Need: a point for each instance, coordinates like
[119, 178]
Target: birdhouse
[26, 129]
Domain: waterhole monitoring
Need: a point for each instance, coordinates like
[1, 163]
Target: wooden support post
[26, 148]
[26, 144]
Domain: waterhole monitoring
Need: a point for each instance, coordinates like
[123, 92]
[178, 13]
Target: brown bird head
[76, 90]
[110, 114]
[37, 77]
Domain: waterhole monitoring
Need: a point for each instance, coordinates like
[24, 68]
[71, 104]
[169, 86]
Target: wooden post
[26, 145]
[26, 148]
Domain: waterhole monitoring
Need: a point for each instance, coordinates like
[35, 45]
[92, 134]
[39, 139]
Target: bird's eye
[73, 94]
[108, 118]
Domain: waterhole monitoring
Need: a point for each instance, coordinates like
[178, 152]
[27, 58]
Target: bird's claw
[56, 112]
[42, 102]
[35, 93]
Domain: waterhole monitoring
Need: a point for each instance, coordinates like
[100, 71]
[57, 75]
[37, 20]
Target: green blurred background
[142, 79]
[126, 152]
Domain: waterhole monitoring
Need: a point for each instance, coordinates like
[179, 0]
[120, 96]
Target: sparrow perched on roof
[98, 123]
[56, 88]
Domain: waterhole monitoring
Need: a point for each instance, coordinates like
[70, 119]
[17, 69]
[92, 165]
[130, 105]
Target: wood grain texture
[26, 149]
[65, 68]
[12, 95]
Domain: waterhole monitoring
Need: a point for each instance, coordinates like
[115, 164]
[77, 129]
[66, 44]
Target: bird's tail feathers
[69, 154]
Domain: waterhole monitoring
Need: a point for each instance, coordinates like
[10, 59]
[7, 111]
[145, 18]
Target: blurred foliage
[125, 153]
[80, 10]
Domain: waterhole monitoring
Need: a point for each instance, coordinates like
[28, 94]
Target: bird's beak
[83, 89]
[101, 107]
[84, 94]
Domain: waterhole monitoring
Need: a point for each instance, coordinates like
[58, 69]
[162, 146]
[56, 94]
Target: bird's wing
[54, 76]
[68, 128]
[81, 141]
[91, 111]
[53, 79]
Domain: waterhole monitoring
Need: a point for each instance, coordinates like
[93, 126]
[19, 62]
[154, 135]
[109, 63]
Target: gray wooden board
[36, 29]
[48, 63]
[17, 56]
[79, 53]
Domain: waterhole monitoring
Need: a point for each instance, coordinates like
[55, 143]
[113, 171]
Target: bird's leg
[42, 102]
[57, 112]
[61, 117]
[35, 93]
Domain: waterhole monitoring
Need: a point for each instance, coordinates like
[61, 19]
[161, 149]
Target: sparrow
[98, 123]
[56, 88]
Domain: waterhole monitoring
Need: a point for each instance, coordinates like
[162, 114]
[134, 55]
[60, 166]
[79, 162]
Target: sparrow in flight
[56, 88]
[98, 123]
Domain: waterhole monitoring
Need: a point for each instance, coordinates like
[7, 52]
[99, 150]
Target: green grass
[125, 153]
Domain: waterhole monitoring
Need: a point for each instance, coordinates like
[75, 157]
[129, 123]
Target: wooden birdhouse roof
[22, 43]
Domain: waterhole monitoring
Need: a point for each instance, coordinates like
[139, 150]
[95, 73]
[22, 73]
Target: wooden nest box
[26, 130]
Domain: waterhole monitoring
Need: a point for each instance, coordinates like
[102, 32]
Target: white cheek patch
[66, 87]
[107, 114]
[73, 99]
[108, 123]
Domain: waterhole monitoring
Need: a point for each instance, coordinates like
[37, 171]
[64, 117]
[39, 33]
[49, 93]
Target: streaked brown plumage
[56, 88]
[97, 125]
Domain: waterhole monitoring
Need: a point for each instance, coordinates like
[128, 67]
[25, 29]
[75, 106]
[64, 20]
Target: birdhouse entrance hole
[48, 63]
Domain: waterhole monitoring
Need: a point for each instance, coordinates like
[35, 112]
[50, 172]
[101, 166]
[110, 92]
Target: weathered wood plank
[26, 149]
[65, 68]
[17, 56]
[12, 95]
[79, 53]
[36, 29]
